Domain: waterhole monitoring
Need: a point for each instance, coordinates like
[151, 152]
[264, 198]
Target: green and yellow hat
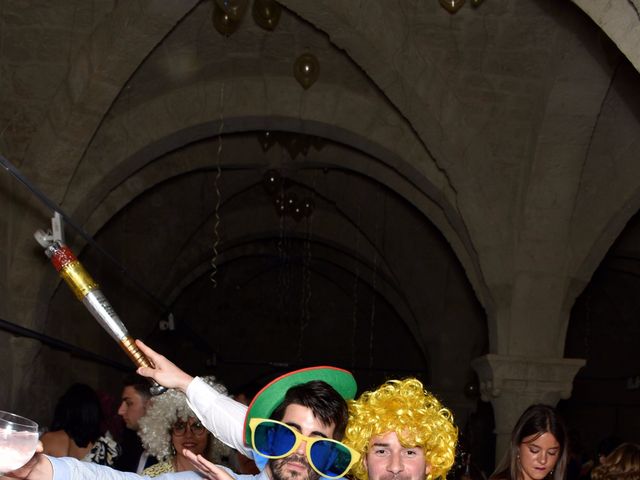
[272, 395]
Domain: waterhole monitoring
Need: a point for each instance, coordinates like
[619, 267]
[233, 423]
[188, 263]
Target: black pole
[62, 345]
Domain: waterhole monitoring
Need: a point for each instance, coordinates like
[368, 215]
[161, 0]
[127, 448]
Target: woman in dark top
[537, 449]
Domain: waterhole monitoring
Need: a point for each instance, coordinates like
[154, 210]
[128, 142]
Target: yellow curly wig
[415, 415]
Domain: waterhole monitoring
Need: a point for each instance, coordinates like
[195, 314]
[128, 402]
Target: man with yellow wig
[402, 432]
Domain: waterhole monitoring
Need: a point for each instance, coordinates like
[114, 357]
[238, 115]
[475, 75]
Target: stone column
[512, 383]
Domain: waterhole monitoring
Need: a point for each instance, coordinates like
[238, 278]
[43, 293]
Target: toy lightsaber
[88, 292]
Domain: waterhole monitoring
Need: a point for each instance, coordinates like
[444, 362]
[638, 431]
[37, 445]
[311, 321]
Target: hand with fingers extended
[165, 372]
[38, 468]
[205, 467]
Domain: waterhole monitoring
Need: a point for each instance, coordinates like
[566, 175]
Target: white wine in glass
[18, 441]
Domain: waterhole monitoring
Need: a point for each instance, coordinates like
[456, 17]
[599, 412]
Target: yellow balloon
[306, 70]
[266, 13]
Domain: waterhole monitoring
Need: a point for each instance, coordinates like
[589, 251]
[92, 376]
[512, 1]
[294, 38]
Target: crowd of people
[304, 425]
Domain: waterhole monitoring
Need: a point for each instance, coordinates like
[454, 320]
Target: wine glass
[18, 441]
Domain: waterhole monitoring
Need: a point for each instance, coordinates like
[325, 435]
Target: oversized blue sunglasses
[328, 457]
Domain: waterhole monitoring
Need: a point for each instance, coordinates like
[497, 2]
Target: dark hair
[78, 413]
[536, 420]
[140, 384]
[321, 398]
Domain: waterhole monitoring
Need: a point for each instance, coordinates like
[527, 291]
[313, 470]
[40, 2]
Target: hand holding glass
[18, 441]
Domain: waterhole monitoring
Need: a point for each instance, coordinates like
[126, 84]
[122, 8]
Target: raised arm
[165, 372]
[220, 414]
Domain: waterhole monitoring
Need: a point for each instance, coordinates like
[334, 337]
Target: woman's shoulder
[56, 444]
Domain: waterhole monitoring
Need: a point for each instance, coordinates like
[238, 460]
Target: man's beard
[391, 476]
[279, 473]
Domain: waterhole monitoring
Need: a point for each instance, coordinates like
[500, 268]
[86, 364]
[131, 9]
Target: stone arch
[403, 161]
[94, 81]
[333, 253]
[620, 21]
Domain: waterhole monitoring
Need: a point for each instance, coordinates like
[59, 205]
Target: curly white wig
[163, 412]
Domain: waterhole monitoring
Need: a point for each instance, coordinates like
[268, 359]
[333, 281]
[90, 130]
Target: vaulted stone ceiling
[474, 170]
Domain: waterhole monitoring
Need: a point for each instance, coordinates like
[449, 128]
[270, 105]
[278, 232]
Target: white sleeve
[220, 414]
[72, 469]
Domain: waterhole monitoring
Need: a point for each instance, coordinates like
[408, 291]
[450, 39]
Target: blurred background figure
[465, 469]
[135, 399]
[537, 449]
[605, 448]
[602, 451]
[76, 428]
[621, 464]
[169, 426]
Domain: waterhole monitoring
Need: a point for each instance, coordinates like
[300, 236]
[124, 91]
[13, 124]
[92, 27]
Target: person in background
[169, 426]
[135, 399]
[538, 448]
[603, 449]
[621, 464]
[75, 429]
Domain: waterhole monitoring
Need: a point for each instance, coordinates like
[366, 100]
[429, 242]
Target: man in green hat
[292, 427]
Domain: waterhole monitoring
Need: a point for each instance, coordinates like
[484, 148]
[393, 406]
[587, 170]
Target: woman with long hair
[537, 449]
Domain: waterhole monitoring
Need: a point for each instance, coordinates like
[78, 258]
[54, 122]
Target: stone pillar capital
[512, 383]
[528, 376]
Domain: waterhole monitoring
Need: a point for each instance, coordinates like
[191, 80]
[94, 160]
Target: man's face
[387, 459]
[132, 408]
[296, 466]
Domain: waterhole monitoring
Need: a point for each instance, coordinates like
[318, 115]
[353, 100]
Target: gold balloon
[233, 8]
[476, 3]
[266, 13]
[306, 69]
[223, 22]
[452, 6]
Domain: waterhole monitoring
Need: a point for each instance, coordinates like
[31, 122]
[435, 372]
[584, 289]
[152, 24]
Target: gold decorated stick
[88, 292]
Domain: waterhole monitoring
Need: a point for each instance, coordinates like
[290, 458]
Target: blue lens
[273, 439]
[330, 458]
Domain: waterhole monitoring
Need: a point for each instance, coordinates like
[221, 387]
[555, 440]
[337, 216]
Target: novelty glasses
[180, 428]
[273, 439]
